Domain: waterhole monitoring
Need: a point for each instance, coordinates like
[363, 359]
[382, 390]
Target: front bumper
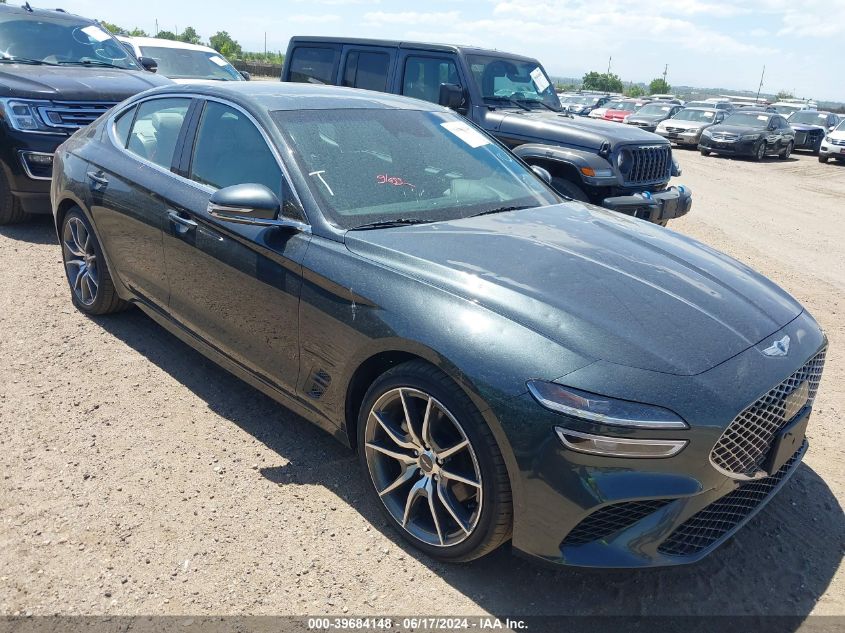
[572, 508]
[734, 148]
[30, 184]
[654, 207]
[680, 138]
[829, 150]
[808, 140]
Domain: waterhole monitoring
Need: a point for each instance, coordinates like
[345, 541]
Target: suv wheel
[91, 286]
[822, 158]
[787, 151]
[11, 211]
[569, 189]
[760, 151]
[433, 464]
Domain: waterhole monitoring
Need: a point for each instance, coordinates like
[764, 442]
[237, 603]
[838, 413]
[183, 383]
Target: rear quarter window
[314, 65]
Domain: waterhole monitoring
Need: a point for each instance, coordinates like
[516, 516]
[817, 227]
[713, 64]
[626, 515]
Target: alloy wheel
[80, 261]
[423, 467]
[761, 150]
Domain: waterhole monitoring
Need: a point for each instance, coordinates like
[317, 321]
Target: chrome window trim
[110, 129]
[22, 154]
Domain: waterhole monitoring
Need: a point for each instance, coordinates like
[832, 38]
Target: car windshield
[502, 78]
[784, 108]
[841, 126]
[616, 105]
[367, 166]
[706, 116]
[654, 109]
[60, 41]
[809, 117]
[748, 119]
[183, 63]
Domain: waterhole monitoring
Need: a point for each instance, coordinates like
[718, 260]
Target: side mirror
[249, 203]
[148, 63]
[544, 174]
[245, 75]
[451, 96]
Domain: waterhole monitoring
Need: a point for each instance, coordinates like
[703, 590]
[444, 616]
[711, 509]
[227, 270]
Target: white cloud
[385, 18]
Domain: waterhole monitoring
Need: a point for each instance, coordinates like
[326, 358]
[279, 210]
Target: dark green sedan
[509, 365]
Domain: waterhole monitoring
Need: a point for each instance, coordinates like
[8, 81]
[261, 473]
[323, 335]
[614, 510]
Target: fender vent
[320, 381]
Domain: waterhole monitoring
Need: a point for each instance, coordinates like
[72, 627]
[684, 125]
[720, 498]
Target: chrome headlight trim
[619, 447]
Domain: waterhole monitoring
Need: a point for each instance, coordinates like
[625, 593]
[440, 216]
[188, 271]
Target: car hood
[646, 118]
[74, 83]
[806, 127]
[685, 125]
[736, 129]
[603, 285]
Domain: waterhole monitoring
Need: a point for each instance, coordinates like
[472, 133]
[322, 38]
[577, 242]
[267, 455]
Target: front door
[234, 285]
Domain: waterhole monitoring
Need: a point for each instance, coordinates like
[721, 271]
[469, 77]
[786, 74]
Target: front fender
[591, 168]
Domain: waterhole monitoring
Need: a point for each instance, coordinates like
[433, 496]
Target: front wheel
[705, 152]
[433, 464]
[787, 151]
[11, 211]
[822, 158]
[760, 151]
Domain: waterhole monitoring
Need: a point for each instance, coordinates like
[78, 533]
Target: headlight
[23, 115]
[828, 139]
[601, 409]
[625, 161]
[706, 133]
[749, 137]
[618, 446]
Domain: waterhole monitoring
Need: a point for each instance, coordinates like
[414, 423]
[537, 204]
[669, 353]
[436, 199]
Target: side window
[122, 125]
[156, 129]
[423, 76]
[367, 70]
[229, 150]
[313, 65]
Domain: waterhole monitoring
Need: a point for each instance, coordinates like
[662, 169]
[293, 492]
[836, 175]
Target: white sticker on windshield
[762, 117]
[96, 33]
[466, 133]
[709, 112]
[217, 60]
[539, 79]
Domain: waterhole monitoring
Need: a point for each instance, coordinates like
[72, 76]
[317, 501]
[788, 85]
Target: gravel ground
[139, 478]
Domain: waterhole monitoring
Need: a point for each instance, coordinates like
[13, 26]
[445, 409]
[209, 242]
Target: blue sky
[708, 43]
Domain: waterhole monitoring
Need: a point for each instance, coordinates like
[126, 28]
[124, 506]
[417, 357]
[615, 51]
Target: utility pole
[265, 45]
[609, 59]
[665, 72]
[156, 33]
[760, 87]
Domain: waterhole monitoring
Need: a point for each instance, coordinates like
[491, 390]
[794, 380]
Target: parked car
[749, 133]
[511, 97]
[686, 126]
[388, 271]
[648, 116]
[726, 106]
[583, 105]
[183, 62]
[833, 145]
[58, 72]
[811, 126]
[620, 109]
[789, 107]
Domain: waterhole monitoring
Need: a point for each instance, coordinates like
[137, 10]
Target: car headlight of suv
[22, 115]
[828, 139]
[750, 137]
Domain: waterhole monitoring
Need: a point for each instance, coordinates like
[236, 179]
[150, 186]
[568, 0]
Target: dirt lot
[138, 478]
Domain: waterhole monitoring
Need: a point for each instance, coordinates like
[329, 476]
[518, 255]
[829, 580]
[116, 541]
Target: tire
[705, 152]
[405, 393]
[787, 151]
[569, 189]
[662, 222]
[89, 279]
[823, 159]
[760, 151]
[11, 211]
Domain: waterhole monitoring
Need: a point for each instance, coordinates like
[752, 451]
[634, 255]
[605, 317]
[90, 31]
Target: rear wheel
[569, 189]
[705, 152]
[91, 286]
[11, 211]
[760, 151]
[787, 151]
[433, 464]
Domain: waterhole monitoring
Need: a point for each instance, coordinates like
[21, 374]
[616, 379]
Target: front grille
[674, 129]
[745, 444]
[800, 138]
[72, 115]
[837, 141]
[724, 136]
[611, 519]
[709, 525]
[651, 164]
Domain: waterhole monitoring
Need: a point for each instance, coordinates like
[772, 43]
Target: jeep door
[368, 67]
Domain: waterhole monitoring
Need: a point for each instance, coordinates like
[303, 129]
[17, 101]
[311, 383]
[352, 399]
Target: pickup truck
[512, 98]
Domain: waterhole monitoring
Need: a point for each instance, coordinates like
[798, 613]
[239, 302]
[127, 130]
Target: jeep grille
[652, 164]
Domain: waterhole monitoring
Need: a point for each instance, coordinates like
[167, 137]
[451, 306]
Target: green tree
[223, 43]
[112, 28]
[166, 35]
[659, 87]
[136, 32]
[635, 90]
[190, 36]
[785, 94]
[604, 82]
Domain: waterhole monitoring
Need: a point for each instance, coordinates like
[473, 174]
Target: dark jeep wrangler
[511, 97]
[58, 72]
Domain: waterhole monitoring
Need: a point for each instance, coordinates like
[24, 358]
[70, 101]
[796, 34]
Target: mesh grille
[650, 164]
[612, 519]
[709, 525]
[745, 444]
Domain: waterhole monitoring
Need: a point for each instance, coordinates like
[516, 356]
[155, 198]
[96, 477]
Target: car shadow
[781, 563]
[36, 230]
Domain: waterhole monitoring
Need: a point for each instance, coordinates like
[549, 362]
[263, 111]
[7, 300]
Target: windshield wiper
[509, 100]
[386, 224]
[90, 62]
[24, 60]
[502, 210]
[545, 105]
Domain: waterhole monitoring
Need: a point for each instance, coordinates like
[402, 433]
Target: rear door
[312, 62]
[235, 286]
[128, 191]
[368, 67]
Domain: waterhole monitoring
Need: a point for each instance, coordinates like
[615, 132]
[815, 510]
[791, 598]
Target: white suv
[833, 145]
[182, 62]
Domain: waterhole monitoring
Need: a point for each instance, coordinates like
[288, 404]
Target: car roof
[701, 108]
[163, 43]
[45, 13]
[277, 95]
[445, 48]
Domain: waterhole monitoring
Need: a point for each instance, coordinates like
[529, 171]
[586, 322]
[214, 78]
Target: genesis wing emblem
[778, 348]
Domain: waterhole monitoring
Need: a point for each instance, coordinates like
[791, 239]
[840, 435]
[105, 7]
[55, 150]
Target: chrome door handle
[185, 224]
[98, 178]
